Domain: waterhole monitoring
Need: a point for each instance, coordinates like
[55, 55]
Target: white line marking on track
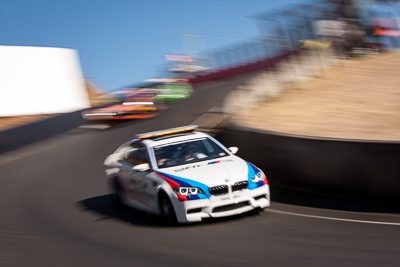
[95, 126]
[332, 218]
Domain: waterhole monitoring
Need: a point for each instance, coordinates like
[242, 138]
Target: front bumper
[222, 206]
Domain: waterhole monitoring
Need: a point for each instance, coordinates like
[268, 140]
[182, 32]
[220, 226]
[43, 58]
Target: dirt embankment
[357, 99]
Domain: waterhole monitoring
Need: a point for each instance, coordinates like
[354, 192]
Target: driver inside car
[192, 153]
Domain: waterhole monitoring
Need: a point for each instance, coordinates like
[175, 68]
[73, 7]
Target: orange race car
[140, 104]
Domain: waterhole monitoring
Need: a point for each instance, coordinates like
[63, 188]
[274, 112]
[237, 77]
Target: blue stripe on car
[260, 183]
[252, 171]
[193, 197]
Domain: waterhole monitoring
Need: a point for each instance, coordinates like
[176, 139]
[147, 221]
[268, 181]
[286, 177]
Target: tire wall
[335, 166]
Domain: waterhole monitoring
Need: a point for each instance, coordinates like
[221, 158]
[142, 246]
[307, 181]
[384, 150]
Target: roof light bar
[176, 130]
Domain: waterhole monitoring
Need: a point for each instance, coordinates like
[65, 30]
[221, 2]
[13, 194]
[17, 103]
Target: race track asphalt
[56, 210]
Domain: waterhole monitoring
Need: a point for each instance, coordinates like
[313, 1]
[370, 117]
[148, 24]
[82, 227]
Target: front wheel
[167, 212]
[117, 192]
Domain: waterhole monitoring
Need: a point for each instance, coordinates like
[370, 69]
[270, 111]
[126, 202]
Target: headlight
[258, 177]
[188, 191]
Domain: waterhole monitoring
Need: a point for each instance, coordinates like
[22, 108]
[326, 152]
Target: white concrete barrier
[40, 80]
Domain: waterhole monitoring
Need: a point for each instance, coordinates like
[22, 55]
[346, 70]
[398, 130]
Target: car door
[141, 185]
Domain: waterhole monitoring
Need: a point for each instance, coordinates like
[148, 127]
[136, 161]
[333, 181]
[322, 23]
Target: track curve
[57, 211]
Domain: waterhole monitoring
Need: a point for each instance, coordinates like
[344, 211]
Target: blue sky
[122, 42]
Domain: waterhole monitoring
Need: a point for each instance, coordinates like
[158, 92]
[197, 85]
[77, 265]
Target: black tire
[117, 191]
[167, 211]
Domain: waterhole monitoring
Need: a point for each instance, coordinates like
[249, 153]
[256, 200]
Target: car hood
[209, 173]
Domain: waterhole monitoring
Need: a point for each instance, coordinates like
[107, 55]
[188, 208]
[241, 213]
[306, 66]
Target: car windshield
[188, 152]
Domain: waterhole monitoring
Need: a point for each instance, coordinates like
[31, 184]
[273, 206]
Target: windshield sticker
[187, 168]
[218, 161]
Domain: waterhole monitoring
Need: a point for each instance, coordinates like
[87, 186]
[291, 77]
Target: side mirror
[112, 160]
[141, 167]
[233, 149]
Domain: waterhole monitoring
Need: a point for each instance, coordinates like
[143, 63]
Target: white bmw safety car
[185, 175]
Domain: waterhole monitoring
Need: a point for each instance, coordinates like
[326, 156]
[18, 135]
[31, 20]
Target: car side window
[136, 154]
